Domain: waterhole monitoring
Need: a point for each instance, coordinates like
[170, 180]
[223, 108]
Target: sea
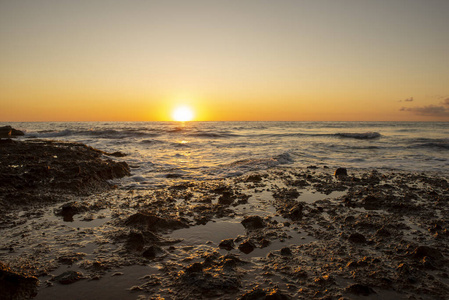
[161, 153]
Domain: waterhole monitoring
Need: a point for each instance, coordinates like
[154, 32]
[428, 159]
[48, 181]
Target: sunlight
[182, 114]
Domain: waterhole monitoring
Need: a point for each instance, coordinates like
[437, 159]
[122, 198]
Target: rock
[194, 268]
[227, 244]
[16, 286]
[153, 222]
[296, 212]
[135, 241]
[341, 172]
[264, 294]
[286, 251]
[370, 203]
[247, 247]
[357, 238]
[360, 289]
[253, 222]
[254, 178]
[69, 277]
[423, 251]
[152, 252]
[68, 210]
[383, 232]
[227, 198]
[8, 132]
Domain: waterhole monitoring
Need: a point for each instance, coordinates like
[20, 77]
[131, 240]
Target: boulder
[8, 132]
[253, 222]
[69, 277]
[227, 244]
[341, 172]
[247, 247]
[357, 238]
[15, 285]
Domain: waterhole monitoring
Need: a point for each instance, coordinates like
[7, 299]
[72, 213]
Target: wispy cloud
[407, 100]
[429, 110]
[445, 102]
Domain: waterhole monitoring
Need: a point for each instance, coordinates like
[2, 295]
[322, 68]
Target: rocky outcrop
[9, 132]
[16, 286]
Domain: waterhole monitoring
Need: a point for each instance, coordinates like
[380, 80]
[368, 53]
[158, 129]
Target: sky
[246, 60]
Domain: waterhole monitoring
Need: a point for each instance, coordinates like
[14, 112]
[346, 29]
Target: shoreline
[292, 233]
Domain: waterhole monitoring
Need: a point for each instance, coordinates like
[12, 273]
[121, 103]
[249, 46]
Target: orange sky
[229, 60]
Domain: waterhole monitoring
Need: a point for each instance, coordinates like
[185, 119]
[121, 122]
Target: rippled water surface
[161, 151]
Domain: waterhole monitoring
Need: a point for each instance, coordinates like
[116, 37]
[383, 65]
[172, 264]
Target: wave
[254, 164]
[359, 136]
[435, 145]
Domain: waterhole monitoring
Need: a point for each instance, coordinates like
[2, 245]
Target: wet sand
[285, 233]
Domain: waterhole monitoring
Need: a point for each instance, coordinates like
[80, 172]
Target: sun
[182, 114]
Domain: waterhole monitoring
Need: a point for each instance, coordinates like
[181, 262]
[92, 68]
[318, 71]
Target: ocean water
[162, 152]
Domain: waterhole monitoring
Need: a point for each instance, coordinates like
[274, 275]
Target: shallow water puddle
[108, 287]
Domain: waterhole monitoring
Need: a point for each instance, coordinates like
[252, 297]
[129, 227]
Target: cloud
[409, 99]
[430, 110]
[445, 102]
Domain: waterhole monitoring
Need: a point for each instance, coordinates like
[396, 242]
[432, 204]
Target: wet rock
[371, 203]
[286, 251]
[68, 210]
[264, 294]
[341, 172]
[16, 286]
[247, 247]
[8, 131]
[70, 258]
[227, 198]
[152, 222]
[227, 244]
[357, 238]
[135, 241]
[195, 268]
[69, 277]
[383, 232]
[254, 178]
[152, 252]
[296, 212]
[253, 222]
[360, 289]
[423, 251]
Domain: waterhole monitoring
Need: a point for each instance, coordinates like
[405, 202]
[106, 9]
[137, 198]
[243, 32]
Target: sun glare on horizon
[182, 114]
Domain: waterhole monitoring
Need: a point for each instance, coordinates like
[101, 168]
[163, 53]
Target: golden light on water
[183, 114]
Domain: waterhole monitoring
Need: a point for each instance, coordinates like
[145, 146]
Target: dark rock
[383, 232]
[69, 277]
[227, 244]
[227, 198]
[194, 268]
[8, 132]
[423, 251]
[360, 289]
[247, 247]
[68, 210]
[116, 154]
[152, 252]
[342, 172]
[357, 238]
[296, 212]
[135, 241]
[286, 251]
[254, 178]
[253, 222]
[370, 203]
[264, 294]
[16, 286]
[153, 222]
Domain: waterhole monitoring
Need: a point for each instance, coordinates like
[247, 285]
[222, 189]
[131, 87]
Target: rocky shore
[284, 233]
